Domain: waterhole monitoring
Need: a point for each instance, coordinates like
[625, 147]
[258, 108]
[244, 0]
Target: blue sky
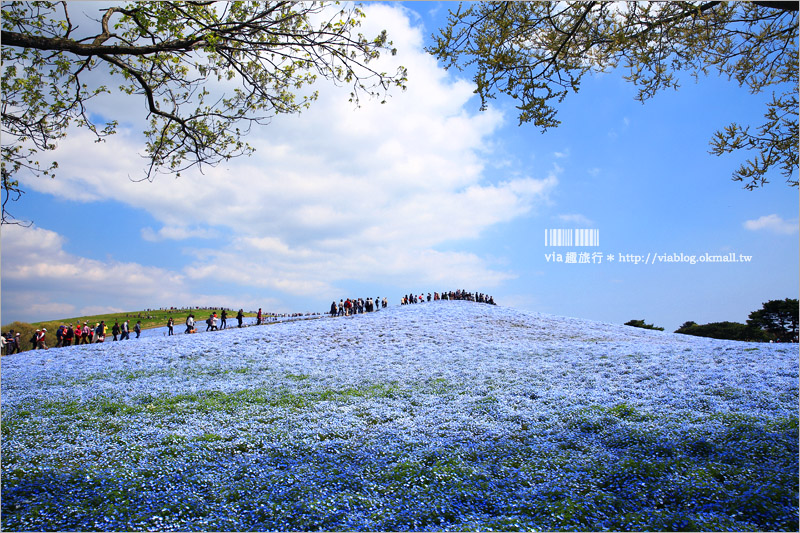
[423, 194]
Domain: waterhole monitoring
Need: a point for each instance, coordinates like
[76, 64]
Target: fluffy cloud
[333, 194]
[42, 281]
[576, 219]
[773, 223]
[177, 233]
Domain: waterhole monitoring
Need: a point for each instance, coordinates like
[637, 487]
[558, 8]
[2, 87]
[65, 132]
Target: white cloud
[41, 281]
[335, 193]
[91, 310]
[51, 310]
[177, 233]
[577, 219]
[773, 223]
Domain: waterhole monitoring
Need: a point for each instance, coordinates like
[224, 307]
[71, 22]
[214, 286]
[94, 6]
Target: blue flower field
[439, 416]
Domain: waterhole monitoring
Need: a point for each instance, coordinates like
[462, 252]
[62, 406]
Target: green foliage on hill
[778, 319]
[641, 324]
[775, 321]
[723, 330]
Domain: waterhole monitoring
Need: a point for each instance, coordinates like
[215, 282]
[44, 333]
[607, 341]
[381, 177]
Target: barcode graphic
[572, 237]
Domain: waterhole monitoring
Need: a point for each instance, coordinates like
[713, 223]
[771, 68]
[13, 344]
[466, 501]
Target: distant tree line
[776, 321]
[723, 330]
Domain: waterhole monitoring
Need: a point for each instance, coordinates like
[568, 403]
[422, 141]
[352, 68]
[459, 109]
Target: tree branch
[58, 44]
[782, 6]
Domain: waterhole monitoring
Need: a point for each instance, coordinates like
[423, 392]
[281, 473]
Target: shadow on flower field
[443, 416]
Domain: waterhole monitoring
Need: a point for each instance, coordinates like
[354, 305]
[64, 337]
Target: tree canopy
[723, 330]
[642, 324]
[775, 321]
[538, 52]
[205, 71]
[777, 318]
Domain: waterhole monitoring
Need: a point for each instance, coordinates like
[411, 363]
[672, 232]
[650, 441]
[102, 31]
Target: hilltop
[445, 415]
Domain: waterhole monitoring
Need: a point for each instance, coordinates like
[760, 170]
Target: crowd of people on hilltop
[354, 306]
[478, 297]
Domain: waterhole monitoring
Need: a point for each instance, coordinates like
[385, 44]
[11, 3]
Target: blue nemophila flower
[449, 416]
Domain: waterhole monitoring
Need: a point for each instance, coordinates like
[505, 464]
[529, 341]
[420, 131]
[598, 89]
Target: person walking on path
[115, 330]
[223, 319]
[189, 323]
[138, 328]
[170, 325]
[100, 332]
[69, 334]
[14, 344]
[60, 335]
[40, 339]
[126, 333]
[240, 317]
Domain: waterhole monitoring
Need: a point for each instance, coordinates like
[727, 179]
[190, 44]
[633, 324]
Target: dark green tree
[642, 324]
[205, 71]
[723, 330]
[538, 52]
[778, 318]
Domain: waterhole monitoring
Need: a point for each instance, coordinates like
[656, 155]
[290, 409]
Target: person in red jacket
[40, 339]
[69, 334]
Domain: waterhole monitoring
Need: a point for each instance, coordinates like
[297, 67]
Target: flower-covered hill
[443, 415]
